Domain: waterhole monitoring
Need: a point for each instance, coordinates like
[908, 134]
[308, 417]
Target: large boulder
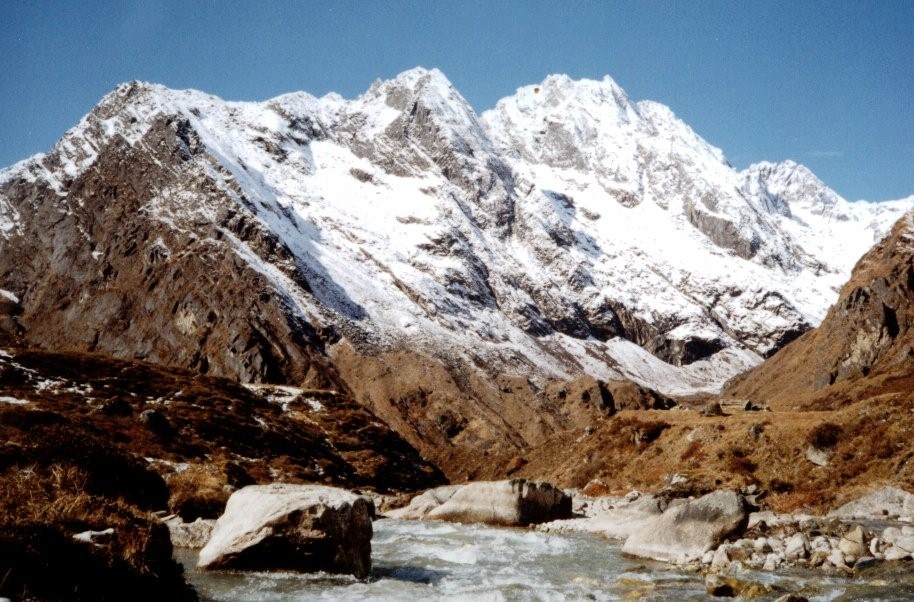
[420, 506]
[615, 518]
[622, 521]
[684, 532]
[517, 502]
[887, 502]
[297, 527]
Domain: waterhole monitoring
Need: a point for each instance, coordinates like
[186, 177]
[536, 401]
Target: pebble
[837, 559]
[721, 558]
[797, 546]
[893, 553]
[772, 561]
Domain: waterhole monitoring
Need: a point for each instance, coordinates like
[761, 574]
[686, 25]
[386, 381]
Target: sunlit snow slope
[566, 231]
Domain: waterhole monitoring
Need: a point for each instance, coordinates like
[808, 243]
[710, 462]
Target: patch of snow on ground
[13, 401]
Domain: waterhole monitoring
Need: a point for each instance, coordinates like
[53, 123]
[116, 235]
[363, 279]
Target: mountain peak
[559, 93]
[788, 184]
[430, 85]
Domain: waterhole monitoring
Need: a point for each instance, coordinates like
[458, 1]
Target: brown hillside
[863, 348]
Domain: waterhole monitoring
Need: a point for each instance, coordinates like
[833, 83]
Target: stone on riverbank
[189, 535]
[887, 502]
[419, 507]
[298, 527]
[517, 502]
[615, 518]
[683, 533]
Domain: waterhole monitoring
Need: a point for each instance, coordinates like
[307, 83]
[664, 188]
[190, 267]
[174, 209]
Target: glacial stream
[415, 560]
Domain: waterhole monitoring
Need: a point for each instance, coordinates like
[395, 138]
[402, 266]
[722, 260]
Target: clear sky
[826, 83]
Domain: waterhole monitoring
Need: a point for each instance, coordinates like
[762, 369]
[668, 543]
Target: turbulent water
[437, 561]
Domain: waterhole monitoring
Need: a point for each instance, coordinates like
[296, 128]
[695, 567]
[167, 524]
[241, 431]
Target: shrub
[824, 436]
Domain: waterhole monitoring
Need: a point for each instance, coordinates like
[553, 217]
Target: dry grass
[868, 444]
[200, 491]
[43, 505]
[175, 415]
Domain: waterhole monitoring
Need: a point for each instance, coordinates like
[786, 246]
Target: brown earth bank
[91, 444]
[840, 403]
[683, 453]
[475, 424]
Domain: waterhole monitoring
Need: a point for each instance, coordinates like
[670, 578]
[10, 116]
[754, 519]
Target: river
[414, 560]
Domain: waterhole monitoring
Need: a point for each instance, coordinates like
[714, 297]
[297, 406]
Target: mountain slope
[863, 347]
[447, 270]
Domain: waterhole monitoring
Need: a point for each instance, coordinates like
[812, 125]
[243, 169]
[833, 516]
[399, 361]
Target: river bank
[434, 561]
[638, 546]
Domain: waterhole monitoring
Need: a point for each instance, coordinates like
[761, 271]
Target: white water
[415, 560]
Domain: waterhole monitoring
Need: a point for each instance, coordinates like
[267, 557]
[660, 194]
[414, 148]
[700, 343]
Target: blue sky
[829, 84]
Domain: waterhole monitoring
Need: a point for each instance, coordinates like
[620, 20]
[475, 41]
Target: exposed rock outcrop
[868, 332]
[300, 527]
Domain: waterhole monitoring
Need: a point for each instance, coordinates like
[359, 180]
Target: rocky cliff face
[447, 269]
[126, 246]
[864, 341]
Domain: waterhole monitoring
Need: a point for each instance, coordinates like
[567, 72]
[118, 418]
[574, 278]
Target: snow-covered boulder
[298, 527]
[684, 532]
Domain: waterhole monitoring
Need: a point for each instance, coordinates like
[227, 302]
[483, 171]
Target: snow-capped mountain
[567, 231]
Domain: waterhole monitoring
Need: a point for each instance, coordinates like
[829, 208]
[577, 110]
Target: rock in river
[516, 502]
[297, 527]
[684, 532]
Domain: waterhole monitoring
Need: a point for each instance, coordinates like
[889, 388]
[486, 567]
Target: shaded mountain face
[864, 346]
[444, 268]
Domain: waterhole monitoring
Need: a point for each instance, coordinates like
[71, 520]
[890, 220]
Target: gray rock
[189, 535]
[297, 527]
[817, 456]
[797, 546]
[685, 532]
[761, 544]
[905, 542]
[890, 534]
[836, 558]
[853, 543]
[772, 562]
[419, 507]
[623, 520]
[721, 559]
[895, 553]
[516, 502]
[882, 503]
[865, 562]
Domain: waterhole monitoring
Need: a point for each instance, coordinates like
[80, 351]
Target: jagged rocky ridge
[862, 349]
[438, 265]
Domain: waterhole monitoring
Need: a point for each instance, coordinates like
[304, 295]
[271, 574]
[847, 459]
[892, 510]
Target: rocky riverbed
[635, 546]
[432, 560]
